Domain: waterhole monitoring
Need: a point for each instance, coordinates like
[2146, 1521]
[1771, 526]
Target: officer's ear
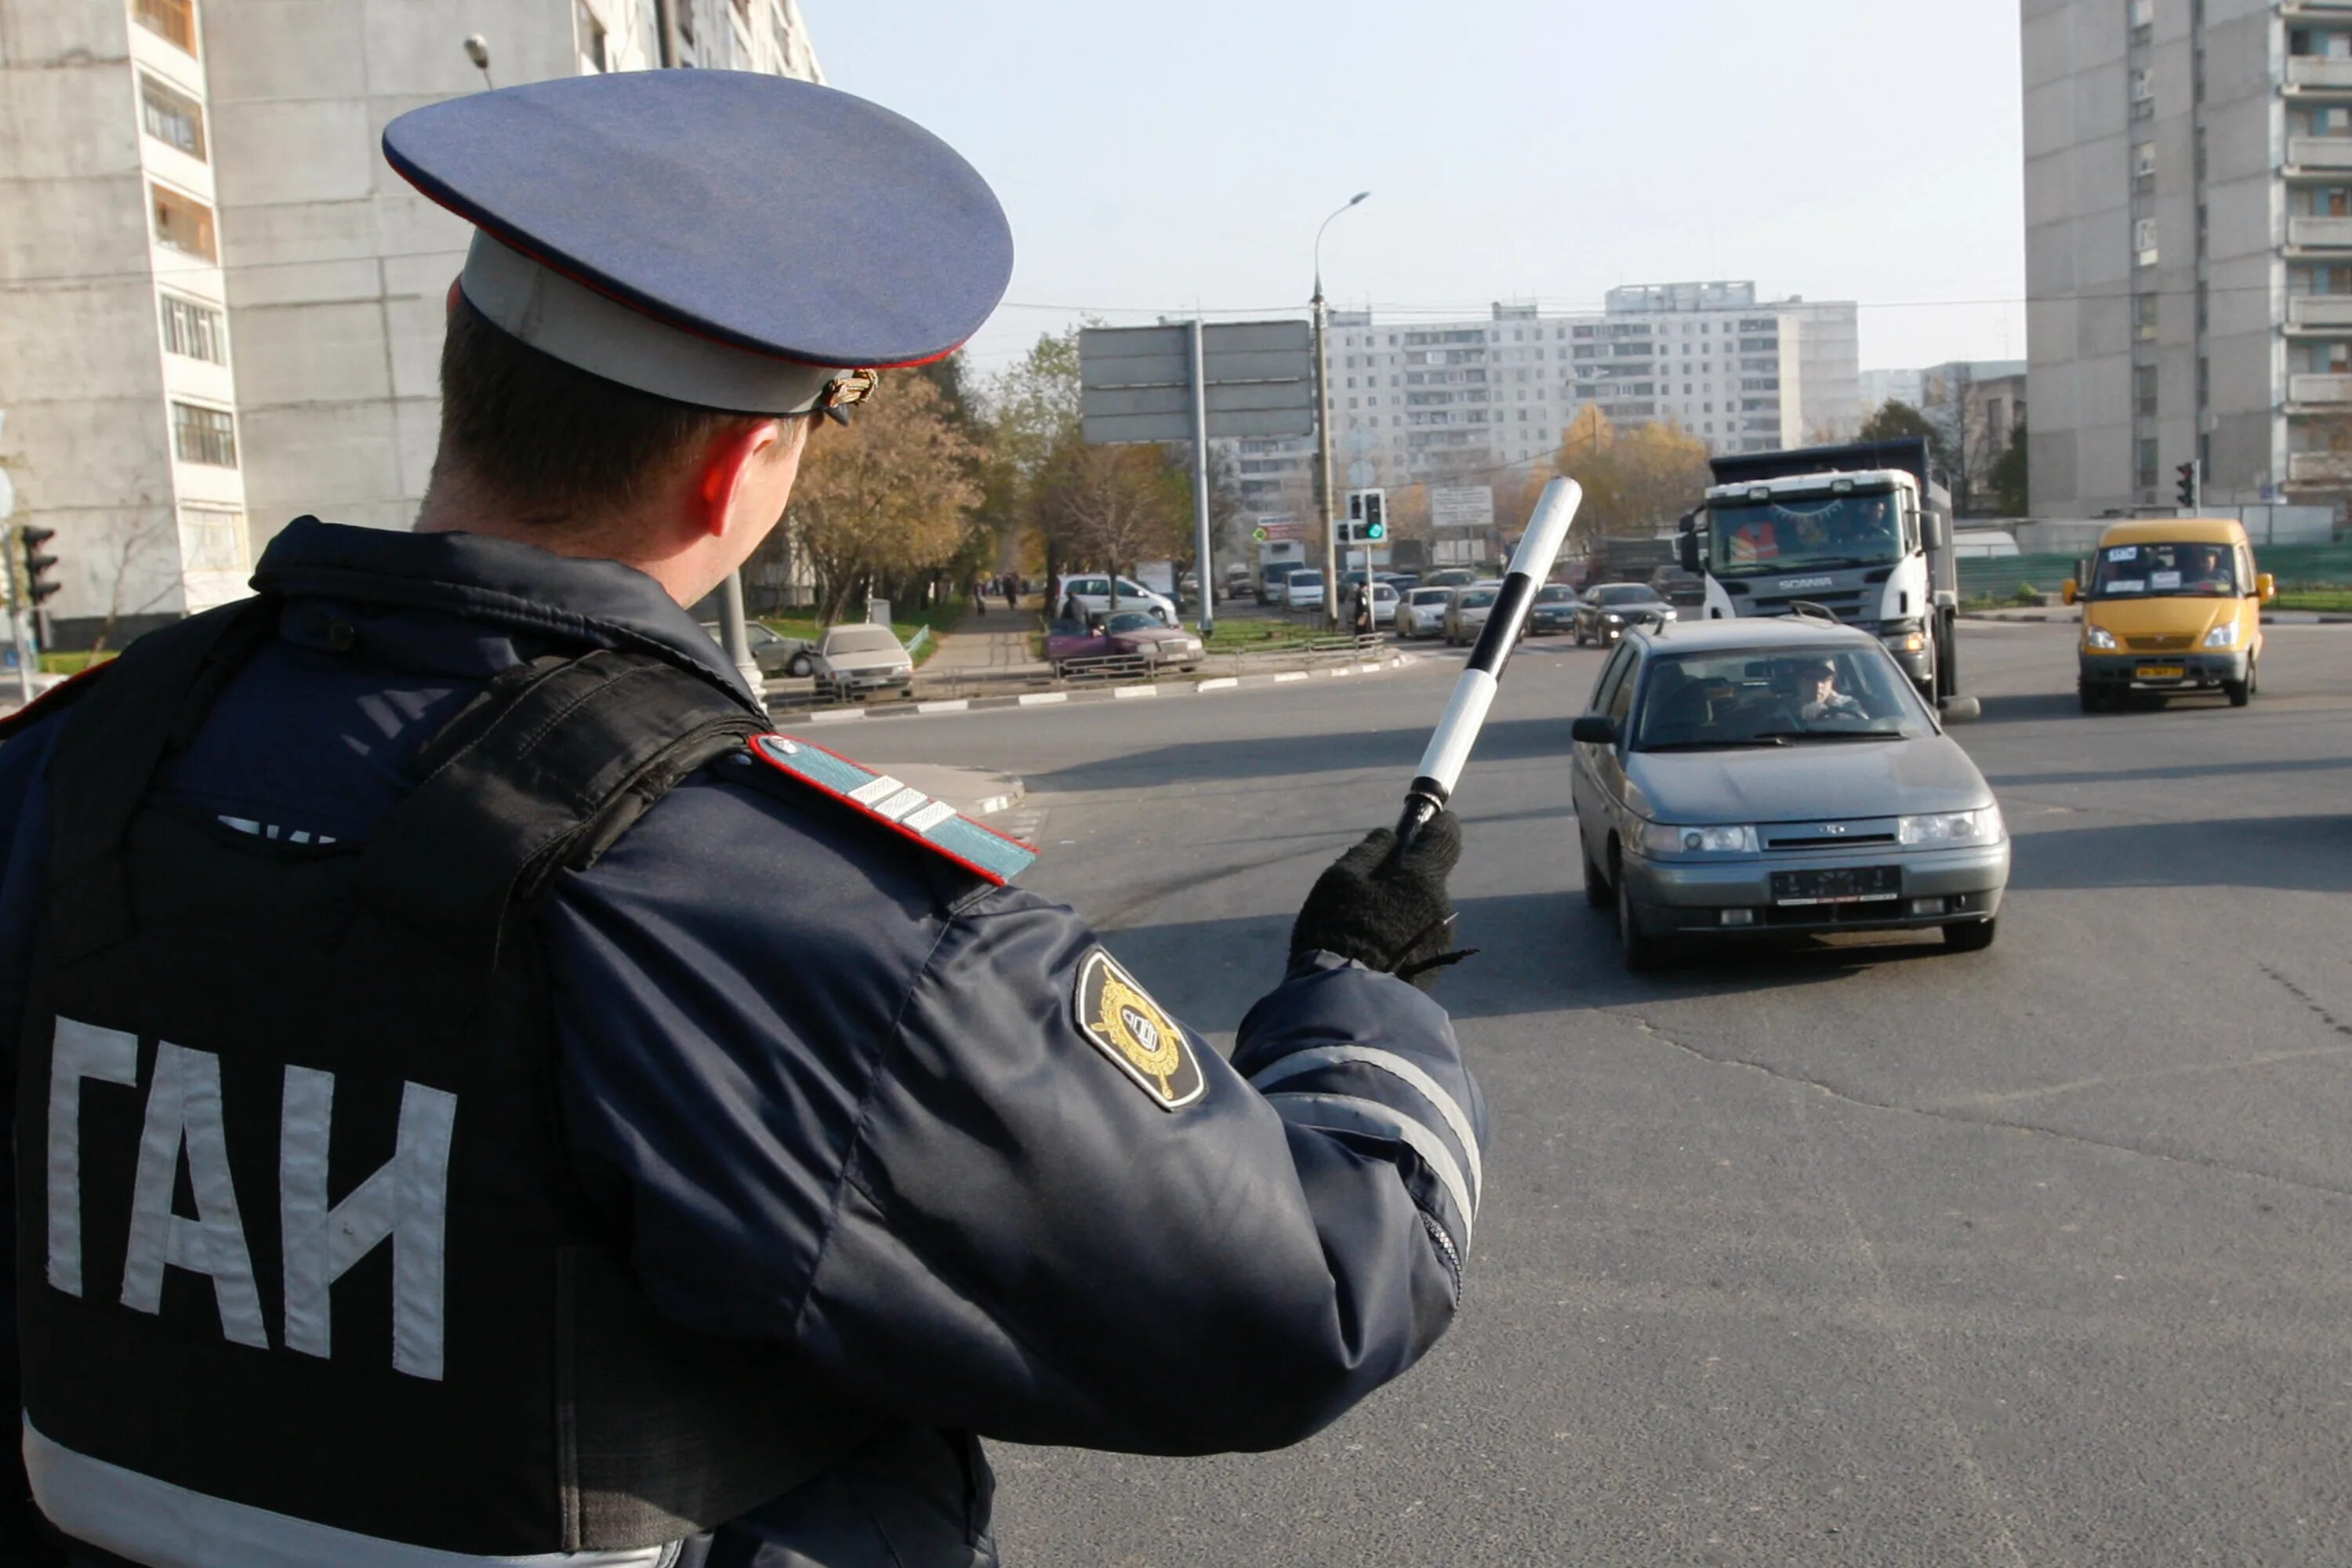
[747, 469]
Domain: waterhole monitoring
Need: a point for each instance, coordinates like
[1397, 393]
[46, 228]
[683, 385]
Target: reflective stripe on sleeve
[1396, 1067]
[1352, 1113]
[151, 1522]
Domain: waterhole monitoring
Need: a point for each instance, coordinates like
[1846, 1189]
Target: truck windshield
[2164, 571]
[1804, 533]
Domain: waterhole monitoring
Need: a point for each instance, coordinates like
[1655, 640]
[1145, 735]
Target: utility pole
[1200, 483]
[1323, 497]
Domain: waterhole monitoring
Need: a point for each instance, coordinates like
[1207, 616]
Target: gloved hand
[1390, 915]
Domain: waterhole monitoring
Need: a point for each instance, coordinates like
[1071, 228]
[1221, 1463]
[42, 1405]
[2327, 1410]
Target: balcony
[2319, 311]
[2322, 72]
[2319, 233]
[2320, 152]
[2318, 467]
[2313, 389]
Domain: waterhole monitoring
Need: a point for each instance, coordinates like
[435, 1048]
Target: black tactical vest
[297, 1231]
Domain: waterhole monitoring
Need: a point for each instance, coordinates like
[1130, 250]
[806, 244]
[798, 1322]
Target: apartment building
[2188, 249]
[1425, 400]
[222, 309]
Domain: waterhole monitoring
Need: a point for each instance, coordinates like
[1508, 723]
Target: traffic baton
[1465, 711]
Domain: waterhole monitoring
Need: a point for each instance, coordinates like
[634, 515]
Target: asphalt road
[1838, 1252]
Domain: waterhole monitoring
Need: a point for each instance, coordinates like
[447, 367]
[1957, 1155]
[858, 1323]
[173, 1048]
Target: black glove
[1387, 914]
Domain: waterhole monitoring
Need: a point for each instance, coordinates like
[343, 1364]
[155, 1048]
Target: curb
[1395, 660]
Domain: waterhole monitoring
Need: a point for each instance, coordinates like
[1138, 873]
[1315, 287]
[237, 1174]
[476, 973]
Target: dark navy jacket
[834, 1093]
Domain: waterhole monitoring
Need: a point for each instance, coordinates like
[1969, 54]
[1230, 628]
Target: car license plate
[1841, 885]
[2158, 672]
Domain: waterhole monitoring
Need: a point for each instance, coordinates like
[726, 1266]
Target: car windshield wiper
[1785, 736]
[1714, 745]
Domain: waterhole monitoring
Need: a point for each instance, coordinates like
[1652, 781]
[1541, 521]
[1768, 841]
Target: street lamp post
[1323, 493]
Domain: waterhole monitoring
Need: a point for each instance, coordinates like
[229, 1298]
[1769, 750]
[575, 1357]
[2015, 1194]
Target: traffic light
[1368, 517]
[2191, 483]
[38, 586]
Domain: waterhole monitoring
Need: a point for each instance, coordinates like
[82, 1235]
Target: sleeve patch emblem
[1139, 1038]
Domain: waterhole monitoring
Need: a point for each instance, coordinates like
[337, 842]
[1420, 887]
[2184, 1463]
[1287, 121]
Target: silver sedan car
[1746, 776]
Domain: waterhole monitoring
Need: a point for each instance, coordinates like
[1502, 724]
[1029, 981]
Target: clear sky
[1158, 157]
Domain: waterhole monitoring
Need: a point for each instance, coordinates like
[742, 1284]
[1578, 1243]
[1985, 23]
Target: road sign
[1462, 505]
[1136, 382]
[1278, 528]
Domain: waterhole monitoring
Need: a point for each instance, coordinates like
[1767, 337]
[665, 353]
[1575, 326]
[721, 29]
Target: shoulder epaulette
[55, 701]
[906, 810]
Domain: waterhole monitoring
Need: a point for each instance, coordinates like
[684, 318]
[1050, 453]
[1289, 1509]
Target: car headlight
[1613, 619]
[1667, 615]
[1665, 838]
[2223, 635]
[1981, 825]
[902, 670]
[1903, 637]
[2098, 637]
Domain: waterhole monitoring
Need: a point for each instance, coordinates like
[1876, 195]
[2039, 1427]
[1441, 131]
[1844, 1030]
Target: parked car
[1402, 582]
[1468, 609]
[1448, 577]
[1084, 596]
[854, 661]
[1303, 590]
[1770, 774]
[1554, 610]
[1605, 612]
[1133, 633]
[774, 652]
[1423, 612]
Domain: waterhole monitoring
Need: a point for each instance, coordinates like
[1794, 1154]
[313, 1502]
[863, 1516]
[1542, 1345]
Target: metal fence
[2004, 577]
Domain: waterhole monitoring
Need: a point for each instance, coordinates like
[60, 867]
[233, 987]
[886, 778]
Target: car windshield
[1754, 697]
[1632, 594]
[1477, 598]
[861, 639]
[1555, 594]
[1307, 579]
[1132, 621]
[1804, 533]
[2164, 571]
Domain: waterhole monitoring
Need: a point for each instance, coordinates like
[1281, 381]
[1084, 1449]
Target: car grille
[1826, 834]
[2164, 644]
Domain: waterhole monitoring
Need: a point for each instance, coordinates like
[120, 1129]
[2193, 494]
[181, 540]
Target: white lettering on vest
[82, 1050]
[406, 1200]
[184, 1112]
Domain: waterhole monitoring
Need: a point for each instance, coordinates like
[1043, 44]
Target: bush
[2027, 593]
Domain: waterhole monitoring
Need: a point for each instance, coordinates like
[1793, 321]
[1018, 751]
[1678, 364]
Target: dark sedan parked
[1554, 610]
[1130, 634]
[1607, 611]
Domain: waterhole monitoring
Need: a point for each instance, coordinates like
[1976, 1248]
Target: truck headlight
[1981, 825]
[1665, 838]
[2223, 635]
[1903, 637]
[2098, 637]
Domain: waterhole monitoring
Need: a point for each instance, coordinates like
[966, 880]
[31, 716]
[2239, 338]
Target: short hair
[555, 442]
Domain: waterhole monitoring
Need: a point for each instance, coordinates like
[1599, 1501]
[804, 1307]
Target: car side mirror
[2068, 592]
[1933, 530]
[2266, 587]
[1687, 547]
[1960, 709]
[1594, 729]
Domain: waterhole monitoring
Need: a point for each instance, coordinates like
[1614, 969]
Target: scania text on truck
[1861, 531]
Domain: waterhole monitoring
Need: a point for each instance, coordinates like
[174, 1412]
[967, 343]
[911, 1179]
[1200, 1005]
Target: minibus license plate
[2158, 672]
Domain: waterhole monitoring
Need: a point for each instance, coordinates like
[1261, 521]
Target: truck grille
[1844, 606]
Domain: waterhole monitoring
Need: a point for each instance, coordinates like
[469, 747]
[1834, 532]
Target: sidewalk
[986, 650]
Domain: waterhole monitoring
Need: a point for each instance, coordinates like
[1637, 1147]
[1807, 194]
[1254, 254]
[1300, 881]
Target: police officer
[480, 1097]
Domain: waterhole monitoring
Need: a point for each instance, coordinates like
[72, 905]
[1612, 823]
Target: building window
[175, 20]
[184, 223]
[2141, 14]
[212, 539]
[170, 117]
[2144, 391]
[2144, 468]
[2143, 93]
[195, 329]
[2144, 167]
[589, 34]
[2144, 242]
[2144, 317]
[207, 435]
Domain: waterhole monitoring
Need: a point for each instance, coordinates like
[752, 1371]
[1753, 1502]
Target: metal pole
[1325, 521]
[1201, 479]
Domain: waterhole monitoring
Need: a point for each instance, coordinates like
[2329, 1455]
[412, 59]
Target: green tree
[2008, 475]
[1635, 481]
[1110, 507]
[1894, 418]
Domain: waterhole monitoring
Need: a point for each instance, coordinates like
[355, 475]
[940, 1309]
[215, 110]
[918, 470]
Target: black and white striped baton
[1465, 712]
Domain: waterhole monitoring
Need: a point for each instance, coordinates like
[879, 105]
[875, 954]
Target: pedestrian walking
[484, 1098]
[978, 589]
[1012, 585]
